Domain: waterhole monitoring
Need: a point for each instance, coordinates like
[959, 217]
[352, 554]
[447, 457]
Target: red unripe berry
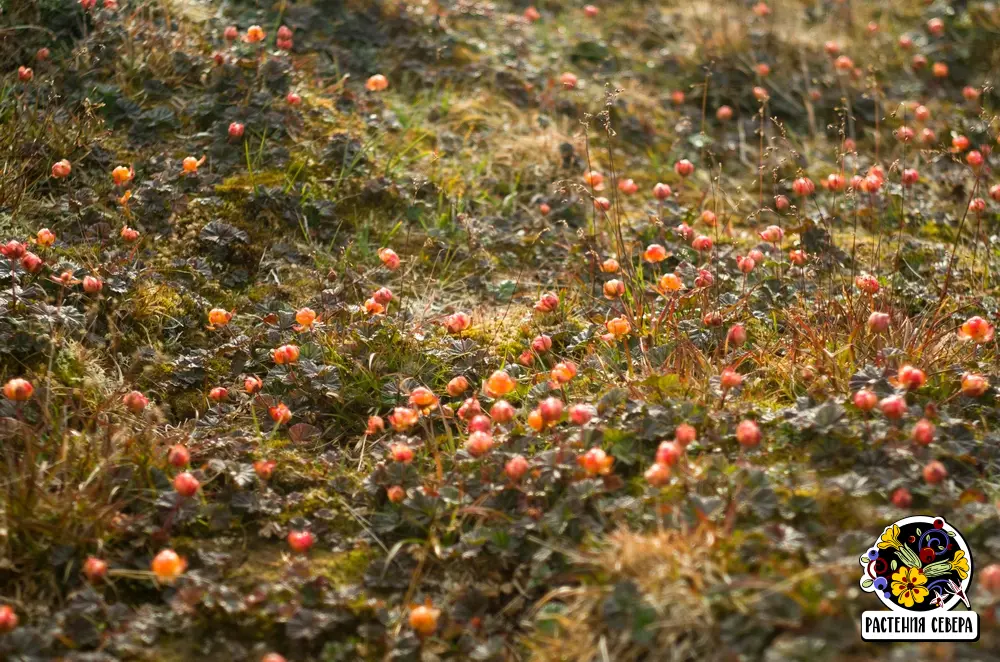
[92, 284]
[911, 378]
[61, 169]
[974, 385]
[934, 472]
[580, 414]
[94, 569]
[502, 411]
[668, 453]
[186, 484]
[748, 434]
[685, 434]
[893, 407]
[803, 186]
[730, 379]
[18, 390]
[923, 432]
[457, 386]
[878, 322]
[902, 498]
[657, 474]
[264, 469]
[480, 423]
[470, 408]
[135, 401]
[13, 250]
[401, 453]
[178, 456]
[547, 302]
[541, 344]
[8, 618]
[424, 619]
[737, 335]
[551, 409]
[516, 467]
[991, 578]
[865, 400]
[843, 63]
[479, 443]
[301, 541]
[702, 243]
[31, 262]
[628, 186]
[867, 283]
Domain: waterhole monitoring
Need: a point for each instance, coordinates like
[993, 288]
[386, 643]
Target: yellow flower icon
[908, 585]
[960, 564]
[889, 538]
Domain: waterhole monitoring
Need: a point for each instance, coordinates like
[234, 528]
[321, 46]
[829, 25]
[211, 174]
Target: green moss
[934, 231]
[245, 183]
[342, 568]
[155, 300]
[270, 565]
[68, 368]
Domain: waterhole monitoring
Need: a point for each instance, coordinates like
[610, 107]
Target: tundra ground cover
[469, 330]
